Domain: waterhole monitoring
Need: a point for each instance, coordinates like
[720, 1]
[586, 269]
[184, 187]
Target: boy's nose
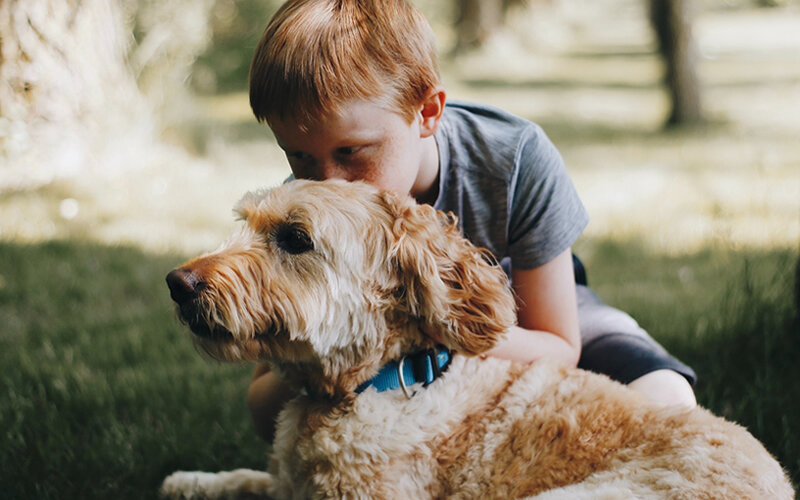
[332, 170]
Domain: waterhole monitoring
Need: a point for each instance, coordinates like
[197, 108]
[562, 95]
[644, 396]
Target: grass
[104, 394]
[731, 315]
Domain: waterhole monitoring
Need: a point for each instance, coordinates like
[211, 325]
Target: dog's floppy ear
[456, 288]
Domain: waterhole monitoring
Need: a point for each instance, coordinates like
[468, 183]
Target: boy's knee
[666, 387]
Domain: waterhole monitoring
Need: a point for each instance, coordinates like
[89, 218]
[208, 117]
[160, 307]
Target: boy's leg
[666, 386]
[615, 345]
[266, 397]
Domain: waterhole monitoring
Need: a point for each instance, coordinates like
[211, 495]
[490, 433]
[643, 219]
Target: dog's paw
[240, 483]
[187, 485]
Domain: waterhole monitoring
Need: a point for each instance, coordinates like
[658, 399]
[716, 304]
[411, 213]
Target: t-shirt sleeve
[546, 214]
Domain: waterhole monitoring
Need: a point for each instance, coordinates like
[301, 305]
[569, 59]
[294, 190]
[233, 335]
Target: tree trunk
[672, 21]
[66, 86]
[71, 79]
[797, 292]
[476, 21]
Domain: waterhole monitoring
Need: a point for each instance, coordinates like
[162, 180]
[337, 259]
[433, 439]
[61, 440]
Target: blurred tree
[477, 20]
[65, 81]
[237, 26]
[797, 294]
[672, 21]
[72, 99]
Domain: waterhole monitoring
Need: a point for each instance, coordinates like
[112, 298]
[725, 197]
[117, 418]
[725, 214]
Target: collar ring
[402, 379]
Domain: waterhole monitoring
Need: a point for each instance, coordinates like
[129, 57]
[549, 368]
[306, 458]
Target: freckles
[386, 165]
[372, 175]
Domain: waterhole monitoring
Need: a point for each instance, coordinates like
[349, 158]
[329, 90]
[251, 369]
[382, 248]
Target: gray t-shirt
[508, 185]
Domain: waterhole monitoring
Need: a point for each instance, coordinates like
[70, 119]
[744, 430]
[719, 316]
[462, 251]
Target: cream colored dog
[331, 281]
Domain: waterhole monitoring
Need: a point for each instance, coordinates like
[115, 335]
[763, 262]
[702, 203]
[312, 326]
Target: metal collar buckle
[402, 379]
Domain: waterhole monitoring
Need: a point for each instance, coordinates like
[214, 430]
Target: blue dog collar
[424, 366]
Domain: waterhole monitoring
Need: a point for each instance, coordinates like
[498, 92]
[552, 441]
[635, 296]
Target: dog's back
[578, 434]
[492, 429]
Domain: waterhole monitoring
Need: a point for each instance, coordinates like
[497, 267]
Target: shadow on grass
[731, 315]
[746, 357]
[105, 394]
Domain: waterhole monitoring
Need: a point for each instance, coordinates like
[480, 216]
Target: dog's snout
[183, 285]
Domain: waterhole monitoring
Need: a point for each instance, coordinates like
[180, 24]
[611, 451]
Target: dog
[338, 286]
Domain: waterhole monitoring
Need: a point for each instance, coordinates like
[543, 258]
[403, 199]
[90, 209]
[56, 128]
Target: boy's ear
[431, 110]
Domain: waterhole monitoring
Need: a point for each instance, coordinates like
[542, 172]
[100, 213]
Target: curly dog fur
[328, 281]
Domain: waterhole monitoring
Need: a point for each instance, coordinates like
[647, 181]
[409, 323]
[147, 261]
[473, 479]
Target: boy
[351, 90]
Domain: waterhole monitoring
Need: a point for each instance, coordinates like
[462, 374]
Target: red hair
[315, 55]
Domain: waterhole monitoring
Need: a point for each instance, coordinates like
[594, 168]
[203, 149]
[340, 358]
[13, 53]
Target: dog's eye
[292, 239]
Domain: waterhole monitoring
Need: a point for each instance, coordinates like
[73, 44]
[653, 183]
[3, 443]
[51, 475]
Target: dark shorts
[615, 345]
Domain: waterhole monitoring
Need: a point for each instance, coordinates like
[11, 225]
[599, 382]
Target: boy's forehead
[360, 120]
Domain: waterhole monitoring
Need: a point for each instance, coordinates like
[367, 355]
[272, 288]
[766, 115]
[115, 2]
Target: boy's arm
[266, 396]
[547, 317]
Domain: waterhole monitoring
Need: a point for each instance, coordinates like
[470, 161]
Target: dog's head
[329, 280]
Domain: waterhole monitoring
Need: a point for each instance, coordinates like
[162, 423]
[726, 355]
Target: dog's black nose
[183, 285]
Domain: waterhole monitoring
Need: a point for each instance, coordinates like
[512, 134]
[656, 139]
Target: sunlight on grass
[734, 183]
[676, 192]
[688, 192]
[183, 207]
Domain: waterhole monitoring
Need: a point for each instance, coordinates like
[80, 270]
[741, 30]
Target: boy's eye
[348, 150]
[297, 155]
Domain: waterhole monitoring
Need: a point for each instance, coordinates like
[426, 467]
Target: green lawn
[104, 394]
